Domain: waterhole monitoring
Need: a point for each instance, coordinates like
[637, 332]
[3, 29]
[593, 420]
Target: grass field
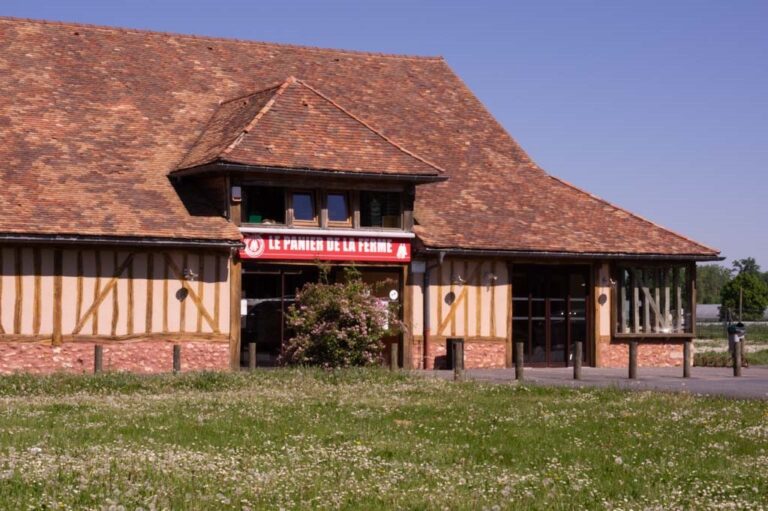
[370, 440]
[756, 333]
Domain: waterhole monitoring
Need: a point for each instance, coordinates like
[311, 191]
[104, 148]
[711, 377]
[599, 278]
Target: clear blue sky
[658, 106]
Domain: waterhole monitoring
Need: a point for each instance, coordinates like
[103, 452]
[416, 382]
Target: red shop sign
[326, 248]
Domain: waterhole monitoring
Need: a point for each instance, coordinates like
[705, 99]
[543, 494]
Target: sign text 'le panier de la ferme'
[325, 248]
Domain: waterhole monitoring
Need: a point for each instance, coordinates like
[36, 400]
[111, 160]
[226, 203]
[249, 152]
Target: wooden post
[251, 356]
[393, 365]
[687, 358]
[458, 359]
[632, 360]
[98, 358]
[235, 290]
[519, 360]
[176, 358]
[577, 356]
[737, 359]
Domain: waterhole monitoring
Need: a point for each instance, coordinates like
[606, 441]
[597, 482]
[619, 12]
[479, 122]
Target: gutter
[272, 171]
[570, 255]
[120, 241]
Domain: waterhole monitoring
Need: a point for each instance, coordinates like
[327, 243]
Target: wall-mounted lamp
[189, 274]
[459, 280]
[490, 276]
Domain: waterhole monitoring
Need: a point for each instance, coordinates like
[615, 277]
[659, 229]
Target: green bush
[337, 325]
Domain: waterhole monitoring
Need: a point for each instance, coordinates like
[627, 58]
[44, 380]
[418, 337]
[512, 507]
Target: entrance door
[549, 312]
[268, 291]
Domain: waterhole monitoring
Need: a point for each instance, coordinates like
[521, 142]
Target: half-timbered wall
[56, 297]
[469, 298]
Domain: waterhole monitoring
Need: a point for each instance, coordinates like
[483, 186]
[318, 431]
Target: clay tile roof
[94, 119]
[293, 125]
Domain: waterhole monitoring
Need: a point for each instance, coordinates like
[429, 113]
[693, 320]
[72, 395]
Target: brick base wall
[137, 357]
[615, 354]
[477, 355]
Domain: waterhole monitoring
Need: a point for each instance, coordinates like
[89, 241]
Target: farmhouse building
[161, 189]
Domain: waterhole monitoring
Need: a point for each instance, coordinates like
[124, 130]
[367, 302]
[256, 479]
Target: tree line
[718, 284]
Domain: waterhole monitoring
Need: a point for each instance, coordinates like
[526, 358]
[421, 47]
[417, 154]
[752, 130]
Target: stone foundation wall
[615, 354]
[477, 354]
[135, 357]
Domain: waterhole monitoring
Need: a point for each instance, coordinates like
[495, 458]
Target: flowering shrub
[337, 325]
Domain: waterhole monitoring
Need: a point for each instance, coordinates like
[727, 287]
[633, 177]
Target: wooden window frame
[315, 222]
[359, 206]
[245, 202]
[690, 287]
[350, 215]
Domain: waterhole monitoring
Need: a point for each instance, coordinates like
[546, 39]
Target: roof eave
[551, 254]
[137, 241]
[221, 166]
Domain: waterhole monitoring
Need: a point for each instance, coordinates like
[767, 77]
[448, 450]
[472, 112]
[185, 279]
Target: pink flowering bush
[337, 325]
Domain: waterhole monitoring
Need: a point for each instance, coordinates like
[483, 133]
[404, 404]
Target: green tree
[710, 280]
[754, 294]
[748, 265]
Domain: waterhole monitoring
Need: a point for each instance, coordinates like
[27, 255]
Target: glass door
[549, 312]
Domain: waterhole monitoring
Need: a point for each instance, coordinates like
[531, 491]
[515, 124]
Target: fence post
[632, 360]
[519, 361]
[737, 359]
[577, 356]
[687, 358]
[251, 356]
[393, 357]
[98, 358]
[176, 358]
[458, 359]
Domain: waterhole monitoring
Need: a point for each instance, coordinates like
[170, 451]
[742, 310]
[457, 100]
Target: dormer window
[304, 210]
[381, 209]
[263, 205]
[338, 209]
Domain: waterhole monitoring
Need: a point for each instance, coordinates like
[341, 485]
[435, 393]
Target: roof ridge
[249, 94]
[267, 106]
[210, 120]
[356, 53]
[369, 127]
[630, 213]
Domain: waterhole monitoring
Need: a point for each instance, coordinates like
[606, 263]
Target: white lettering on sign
[338, 248]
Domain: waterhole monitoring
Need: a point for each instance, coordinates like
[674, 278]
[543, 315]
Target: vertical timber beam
[508, 344]
[19, 295]
[692, 293]
[235, 281]
[405, 292]
[58, 265]
[37, 309]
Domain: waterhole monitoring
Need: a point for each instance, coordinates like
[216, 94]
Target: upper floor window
[380, 209]
[303, 204]
[326, 208]
[263, 205]
[338, 208]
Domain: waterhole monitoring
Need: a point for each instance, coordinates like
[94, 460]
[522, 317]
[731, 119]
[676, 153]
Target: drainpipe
[426, 321]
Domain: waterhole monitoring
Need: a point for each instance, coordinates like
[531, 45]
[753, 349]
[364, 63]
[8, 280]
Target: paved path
[714, 381]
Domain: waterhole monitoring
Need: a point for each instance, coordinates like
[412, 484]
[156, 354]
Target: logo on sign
[254, 246]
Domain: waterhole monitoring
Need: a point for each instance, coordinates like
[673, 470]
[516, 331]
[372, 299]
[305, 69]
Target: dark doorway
[270, 289]
[550, 313]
